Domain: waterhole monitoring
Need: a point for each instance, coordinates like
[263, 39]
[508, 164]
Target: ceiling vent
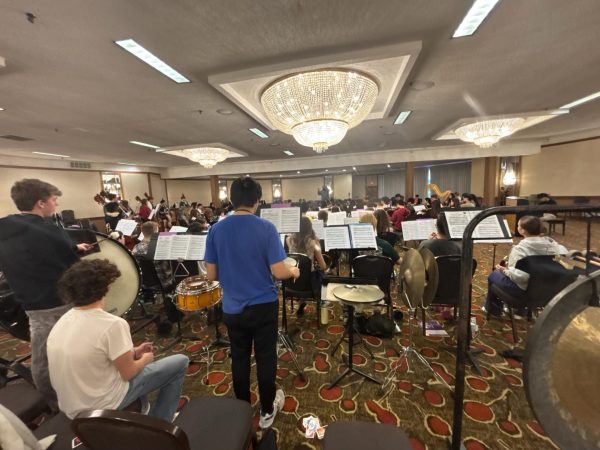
[80, 165]
[12, 137]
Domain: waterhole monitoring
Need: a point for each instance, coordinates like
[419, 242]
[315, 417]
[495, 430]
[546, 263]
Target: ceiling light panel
[153, 61]
[476, 15]
[51, 154]
[287, 152]
[143, 144]
[402, 117]
[259, 133]
[589, 98]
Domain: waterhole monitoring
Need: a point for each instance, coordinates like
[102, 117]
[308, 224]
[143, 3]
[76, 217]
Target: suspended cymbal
[431, 276]
[562, 367]
[359, 294]
[412, 274]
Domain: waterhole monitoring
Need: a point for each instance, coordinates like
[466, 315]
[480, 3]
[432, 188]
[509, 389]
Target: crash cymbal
[412, 274]
[360, 294]
[562, 366]
[431, 276]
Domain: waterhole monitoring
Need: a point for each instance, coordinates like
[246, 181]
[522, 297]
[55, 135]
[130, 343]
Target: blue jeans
[492, 304]
[166, 375]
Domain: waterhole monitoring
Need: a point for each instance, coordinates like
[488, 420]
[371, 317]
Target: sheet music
[349, 220]
[319, 228]
[337, 237]
[488, 228]
[363, 235]
[286, 220]
[419, 208]
[126, 226]
[418, 230]
[282, 238]
[457, 222]
[177, 229]
[357, 213]
[197, 247]
[179, 246]
[154, 212]
[336, 218]
[163, 247]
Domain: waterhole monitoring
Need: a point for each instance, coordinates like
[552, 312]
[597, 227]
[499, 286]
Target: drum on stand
[124, 291]
[196, 293]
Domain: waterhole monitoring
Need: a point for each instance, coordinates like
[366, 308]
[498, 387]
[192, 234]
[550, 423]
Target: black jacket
[34, 254]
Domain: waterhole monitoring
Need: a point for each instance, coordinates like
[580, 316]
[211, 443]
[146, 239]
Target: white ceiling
[73, 91]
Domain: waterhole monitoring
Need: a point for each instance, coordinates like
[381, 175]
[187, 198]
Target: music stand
[351, 296]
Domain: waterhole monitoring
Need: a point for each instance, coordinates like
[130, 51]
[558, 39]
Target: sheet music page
[336, 218]
[363, 235]
[179, 246]
[273, 215]
[418, 230]
[489, 228]
[457, 221]
[357, 213]
[197, 247]
[419, 208]
[349, 220]
[177, 229]
[154, 211]
[282, 238]
[290, 220]
[126, 226]
[163, 247]
[337, 237]
[319, 228]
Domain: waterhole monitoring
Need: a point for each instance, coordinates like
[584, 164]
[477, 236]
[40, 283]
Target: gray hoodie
[530, 246]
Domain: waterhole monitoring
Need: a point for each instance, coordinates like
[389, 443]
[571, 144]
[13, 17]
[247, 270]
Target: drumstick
[101, 240]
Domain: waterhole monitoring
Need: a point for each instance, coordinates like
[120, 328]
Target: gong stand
[464, 299]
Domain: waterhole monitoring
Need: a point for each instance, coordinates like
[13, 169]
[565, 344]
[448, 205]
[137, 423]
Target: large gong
[562, 367]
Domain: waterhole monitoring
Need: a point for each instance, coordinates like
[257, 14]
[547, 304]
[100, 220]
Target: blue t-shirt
[244, 247]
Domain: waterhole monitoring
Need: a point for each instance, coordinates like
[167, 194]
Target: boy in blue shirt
[242, 252]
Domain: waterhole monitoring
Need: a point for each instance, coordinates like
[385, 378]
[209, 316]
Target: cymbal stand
[407, 352]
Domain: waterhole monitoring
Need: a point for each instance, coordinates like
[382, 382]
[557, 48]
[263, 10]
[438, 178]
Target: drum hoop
[137, 266]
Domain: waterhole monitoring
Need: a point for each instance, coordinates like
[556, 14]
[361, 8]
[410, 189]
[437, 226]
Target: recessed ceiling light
[326, 170]
[420, 85]
[402, 117]
[279, 175]
[247, 174]
[126, 164]
[225, 112]
[259, 133]
[140, 52]
[589, 98]
[2, 109]
[343, 170]
[353, 168]
[287, 152]
[477, 14]
[143, 144]
[298, 171]
[389, 166]
[51, 154]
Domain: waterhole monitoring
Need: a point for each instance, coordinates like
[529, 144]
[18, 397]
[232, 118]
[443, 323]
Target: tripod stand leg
[284, 340]
[437, 375]
[362, 341]
[338, 343]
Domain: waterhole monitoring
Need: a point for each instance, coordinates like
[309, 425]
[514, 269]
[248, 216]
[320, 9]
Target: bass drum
[123, 292]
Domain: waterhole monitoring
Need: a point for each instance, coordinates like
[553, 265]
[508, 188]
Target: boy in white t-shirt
[92, 361]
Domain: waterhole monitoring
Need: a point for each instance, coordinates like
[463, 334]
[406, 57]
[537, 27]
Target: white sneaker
[266, 420]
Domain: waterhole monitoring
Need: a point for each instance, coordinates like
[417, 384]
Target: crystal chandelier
[319, 107]
[489, 132]
[206, 156]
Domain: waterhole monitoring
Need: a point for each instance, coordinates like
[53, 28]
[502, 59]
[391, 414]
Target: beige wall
[297, 188]
[135, 184]
[563, 170]
[477, 176]
[158, 187]
[267, 190]
[78, 188]
[342, 186]
[194, 190]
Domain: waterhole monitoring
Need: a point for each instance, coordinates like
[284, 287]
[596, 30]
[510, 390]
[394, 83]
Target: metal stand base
[286, 342]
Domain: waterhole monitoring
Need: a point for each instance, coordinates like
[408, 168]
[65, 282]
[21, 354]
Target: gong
[562, 366]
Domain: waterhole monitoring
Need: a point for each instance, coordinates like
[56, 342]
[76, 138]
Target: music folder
[358, 236]
[171, 246]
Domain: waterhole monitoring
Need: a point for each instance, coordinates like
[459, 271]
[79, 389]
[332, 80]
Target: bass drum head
[561, 367]
[125, 289]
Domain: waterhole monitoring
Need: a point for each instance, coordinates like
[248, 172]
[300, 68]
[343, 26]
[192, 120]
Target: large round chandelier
[206, 156]
[488, 132]
[319, 107]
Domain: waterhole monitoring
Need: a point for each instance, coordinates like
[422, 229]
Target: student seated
[383, 246]
[438, 242]
[91, 358]
[163, 268]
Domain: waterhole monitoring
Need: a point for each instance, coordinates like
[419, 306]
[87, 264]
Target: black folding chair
[301, 288]
[379, 267]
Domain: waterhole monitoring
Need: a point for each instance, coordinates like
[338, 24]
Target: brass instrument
[441, 195]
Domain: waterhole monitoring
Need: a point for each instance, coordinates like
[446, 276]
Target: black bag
[268, 441]
[380, 325]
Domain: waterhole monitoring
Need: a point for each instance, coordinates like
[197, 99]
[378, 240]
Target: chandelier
[318, 108]
[489, 132]
[206, 156]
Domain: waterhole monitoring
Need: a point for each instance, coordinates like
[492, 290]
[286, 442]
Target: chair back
[448, 291]
[546, 278]
[375, 266]
[150, 278]
[124, 430]
[68, 216]
[302, 284]
[391, 238]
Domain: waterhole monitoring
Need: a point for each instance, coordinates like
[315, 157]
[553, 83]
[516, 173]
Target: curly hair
[87, 281]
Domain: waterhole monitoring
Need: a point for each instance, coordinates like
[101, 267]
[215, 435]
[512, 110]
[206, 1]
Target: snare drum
[195, 293]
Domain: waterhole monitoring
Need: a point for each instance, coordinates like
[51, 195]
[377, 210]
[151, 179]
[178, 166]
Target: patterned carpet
[496, 412]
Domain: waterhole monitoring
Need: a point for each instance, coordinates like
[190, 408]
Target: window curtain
[455, 177]
[394, 183]
[420, 181]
